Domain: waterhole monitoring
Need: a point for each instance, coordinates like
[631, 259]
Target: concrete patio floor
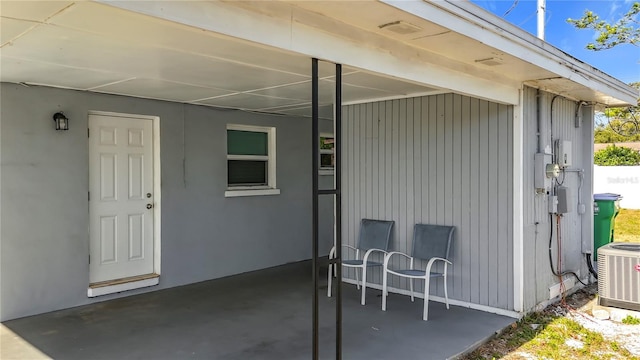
[260, 315]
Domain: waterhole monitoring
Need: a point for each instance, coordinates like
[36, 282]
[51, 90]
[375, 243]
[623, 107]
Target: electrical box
[553, 204]
[564, 199]
[540, 180]
[563, 154]
[544, 170]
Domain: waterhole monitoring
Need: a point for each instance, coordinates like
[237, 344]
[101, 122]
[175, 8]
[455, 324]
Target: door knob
[148, 195]
[149, 206]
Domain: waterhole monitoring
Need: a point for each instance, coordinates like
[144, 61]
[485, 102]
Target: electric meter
[552, 171]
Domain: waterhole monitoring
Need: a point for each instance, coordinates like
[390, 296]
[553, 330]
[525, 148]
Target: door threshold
[123, 284]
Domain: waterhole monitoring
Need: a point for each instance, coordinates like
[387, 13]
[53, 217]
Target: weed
[553, 343]
[631, 320]
[547, 335]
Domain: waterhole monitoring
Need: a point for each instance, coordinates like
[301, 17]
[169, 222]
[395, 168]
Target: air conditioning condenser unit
[619, 275]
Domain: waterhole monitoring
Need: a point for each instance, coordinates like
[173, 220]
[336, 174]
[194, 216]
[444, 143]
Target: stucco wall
[44, 178]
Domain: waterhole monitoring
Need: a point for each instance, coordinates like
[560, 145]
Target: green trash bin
[605, 212]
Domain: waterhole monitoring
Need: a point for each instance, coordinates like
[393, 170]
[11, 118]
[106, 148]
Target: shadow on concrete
[259, 315]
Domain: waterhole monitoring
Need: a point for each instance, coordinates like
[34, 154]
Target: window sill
[251, 192]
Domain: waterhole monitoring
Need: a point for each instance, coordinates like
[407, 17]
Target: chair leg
[329, 281]
[384, 289]
[446, 296]
[411, 288]
[357, 280]
[425, 312]
[364, 283]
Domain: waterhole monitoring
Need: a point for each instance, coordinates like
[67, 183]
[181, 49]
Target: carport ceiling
[95, 47]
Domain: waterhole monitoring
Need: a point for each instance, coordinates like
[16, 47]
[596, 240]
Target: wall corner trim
[518, 205]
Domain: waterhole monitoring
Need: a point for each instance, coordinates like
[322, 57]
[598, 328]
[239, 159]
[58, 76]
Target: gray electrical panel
[563, 153]
[540, 179]
[564, 199]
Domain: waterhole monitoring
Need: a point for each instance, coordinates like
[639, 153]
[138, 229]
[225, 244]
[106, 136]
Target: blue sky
[622, 62]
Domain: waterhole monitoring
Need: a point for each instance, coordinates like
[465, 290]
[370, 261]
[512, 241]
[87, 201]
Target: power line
[513, 6]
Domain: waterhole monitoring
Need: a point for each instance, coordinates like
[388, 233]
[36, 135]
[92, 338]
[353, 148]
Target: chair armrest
[433, 260]
[388, 256]
[352, 248]
[332, 252]
[369, 252]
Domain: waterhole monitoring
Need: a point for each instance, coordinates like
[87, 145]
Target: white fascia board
[285, 32]
[468, 19]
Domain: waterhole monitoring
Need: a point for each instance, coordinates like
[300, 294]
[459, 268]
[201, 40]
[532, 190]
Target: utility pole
[542, 6]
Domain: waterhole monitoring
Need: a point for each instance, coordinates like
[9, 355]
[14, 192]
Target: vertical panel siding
[457, 184]
[349, 222]
[483, 202]
[465, 231]
[571, 229]
[442, 159]
[530, 223]
[375, 133]
[537, 223]
[494, 206]
[474, 203]
[510, 207]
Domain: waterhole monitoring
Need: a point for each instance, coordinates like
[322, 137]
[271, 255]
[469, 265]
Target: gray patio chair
[374, 236]
[432, 243]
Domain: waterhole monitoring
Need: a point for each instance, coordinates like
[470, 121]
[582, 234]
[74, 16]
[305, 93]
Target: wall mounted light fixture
[62, 123]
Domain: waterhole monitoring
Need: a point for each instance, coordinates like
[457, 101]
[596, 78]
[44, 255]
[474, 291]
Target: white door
[120, 197]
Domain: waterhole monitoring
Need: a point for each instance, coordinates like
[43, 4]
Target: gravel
[584, 304]
[627, 336]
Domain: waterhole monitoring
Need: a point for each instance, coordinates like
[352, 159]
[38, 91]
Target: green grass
[631, 320]
[627, 227]
[553, 343]
[517, 335]
[542, 335]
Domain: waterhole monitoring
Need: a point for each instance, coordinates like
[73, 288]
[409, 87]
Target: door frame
[157, 207]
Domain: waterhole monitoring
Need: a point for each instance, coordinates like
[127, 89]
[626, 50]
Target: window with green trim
[250, 157]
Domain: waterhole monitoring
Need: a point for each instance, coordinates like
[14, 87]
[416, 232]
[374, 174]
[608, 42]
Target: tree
[623, 124]
[615, 131]
[623, 31]
[619, 124]
[616, 156]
